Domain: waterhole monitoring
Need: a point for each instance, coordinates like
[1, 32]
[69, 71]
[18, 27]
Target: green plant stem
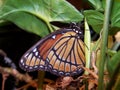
[104, 44]
[41, 75]
[87, 44]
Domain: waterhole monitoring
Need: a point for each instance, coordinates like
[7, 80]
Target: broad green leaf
[29, 23]
[96, 4]
[115, 16]
[32, 15]
[95, 19]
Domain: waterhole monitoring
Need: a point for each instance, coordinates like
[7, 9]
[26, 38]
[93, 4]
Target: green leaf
[113, 63]
[96, 4]
[113, 66]
[95, 19]
[29, 23]
[114, 30]
[111, 53]
[32, 15]
[115, 19]
[115, 15]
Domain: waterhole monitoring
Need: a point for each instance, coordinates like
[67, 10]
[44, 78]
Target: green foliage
[97, 4]
[95, 19]
[115, 14]
[35, 15]
[113, 66]
[114, 63]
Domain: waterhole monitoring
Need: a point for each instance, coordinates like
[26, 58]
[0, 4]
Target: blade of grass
[104, 44]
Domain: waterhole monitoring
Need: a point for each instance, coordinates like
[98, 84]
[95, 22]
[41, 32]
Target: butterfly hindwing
[66, 55]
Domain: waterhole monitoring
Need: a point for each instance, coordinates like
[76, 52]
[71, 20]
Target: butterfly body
[61, 53]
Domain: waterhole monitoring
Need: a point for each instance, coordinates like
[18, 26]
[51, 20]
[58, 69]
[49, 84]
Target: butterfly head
[78, 30]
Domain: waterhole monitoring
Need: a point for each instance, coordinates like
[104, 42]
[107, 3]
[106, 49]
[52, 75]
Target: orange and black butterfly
[61, 53]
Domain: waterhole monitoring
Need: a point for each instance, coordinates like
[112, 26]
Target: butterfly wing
[66, 55]
[35, 57]
[60, 53]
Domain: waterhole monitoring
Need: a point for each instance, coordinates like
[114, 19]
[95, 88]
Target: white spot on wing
[41, 67]
[54, 36]
[23, 64]
[35, 66]
[21, 61]
[80, 32]
[35, 50]
[30, 67]
[36, 53]
[26, 66]
[76, 31]
[73, 29]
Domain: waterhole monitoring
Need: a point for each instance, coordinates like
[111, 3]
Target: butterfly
[61, 53]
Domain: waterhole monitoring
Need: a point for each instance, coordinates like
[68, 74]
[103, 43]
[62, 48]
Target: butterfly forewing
[35, 57]
[60, 53]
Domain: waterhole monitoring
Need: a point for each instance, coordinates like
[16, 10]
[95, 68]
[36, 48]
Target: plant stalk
[41, 75]
[87, 41]
[104, 45]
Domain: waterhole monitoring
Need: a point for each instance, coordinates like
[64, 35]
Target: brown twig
[91, 72]
[21, 77]
[4, 77]
[15, 73]
[32, 83]
[64, 82]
